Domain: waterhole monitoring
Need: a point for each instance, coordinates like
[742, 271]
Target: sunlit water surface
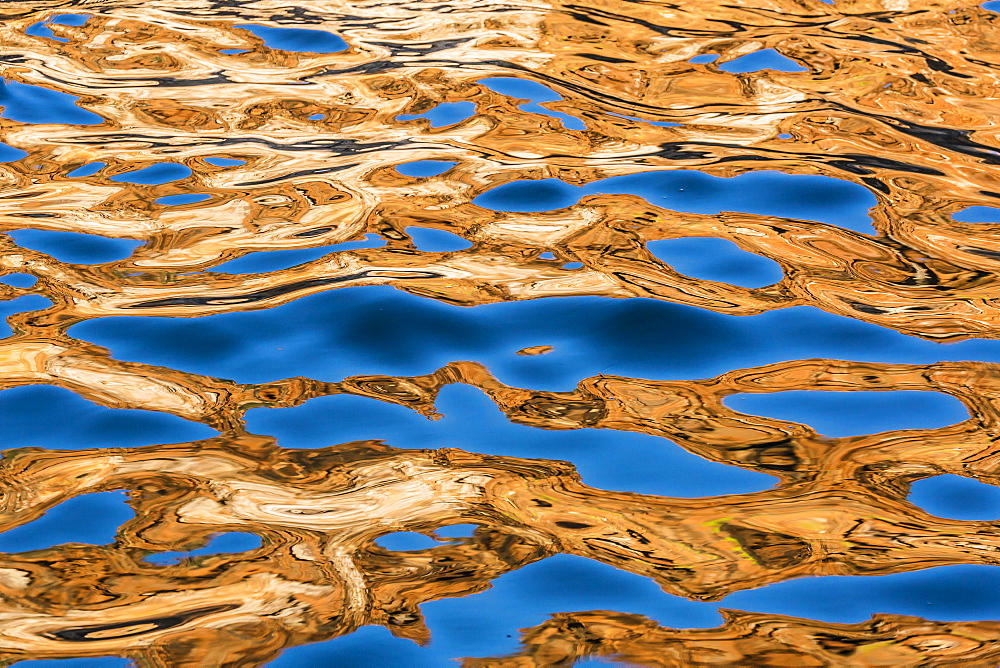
[502, 335]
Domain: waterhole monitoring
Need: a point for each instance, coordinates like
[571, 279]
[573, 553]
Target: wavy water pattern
[164, 160]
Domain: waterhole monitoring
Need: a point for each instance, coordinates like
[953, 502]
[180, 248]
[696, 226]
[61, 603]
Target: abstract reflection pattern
[187, 129]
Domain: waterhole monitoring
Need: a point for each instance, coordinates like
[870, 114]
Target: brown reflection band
[753, 639]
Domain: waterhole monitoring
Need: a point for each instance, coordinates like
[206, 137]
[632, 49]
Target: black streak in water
[86, 633]
[271, 293]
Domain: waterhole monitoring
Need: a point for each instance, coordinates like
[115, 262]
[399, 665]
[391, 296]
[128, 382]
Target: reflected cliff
[827, 166]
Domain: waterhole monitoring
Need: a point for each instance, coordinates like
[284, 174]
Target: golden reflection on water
[899, 98]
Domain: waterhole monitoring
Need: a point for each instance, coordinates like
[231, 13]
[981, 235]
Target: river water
[499, 334]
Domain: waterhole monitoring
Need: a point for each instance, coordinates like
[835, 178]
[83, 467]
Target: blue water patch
[230, 52]
[425, 168]
[224, 162]
[406, 541]
[517, 600]
[326, 421]
[978, 214]
[276, 260]
[521, 88]
[945, 593]
[562, 583]
[368, 647]
[957, 498]
[186, 198]
[45, 416]
[766, 59]
[446, 113]
[437, 241]
[75, 247]
[223, 543]
[317, 117]
[992, 5]
[87, 170]
[840, 414]
[92, 662]
[715, 259]
[22, 304]
[70, 19]
[19, 280]
[300, 40]
[607, 459]
[537, 195]
[456, 530]
[536, 93]
[704, 58]
[89, 518]
[9, 154]
[25, 103]
[801, 196]
[41, 30]
[807, 197]
[381, 330]
[163, 172]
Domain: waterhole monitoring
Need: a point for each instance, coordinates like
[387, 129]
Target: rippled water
[392, 333]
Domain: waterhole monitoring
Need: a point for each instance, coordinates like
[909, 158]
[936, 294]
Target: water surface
[499, 335]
